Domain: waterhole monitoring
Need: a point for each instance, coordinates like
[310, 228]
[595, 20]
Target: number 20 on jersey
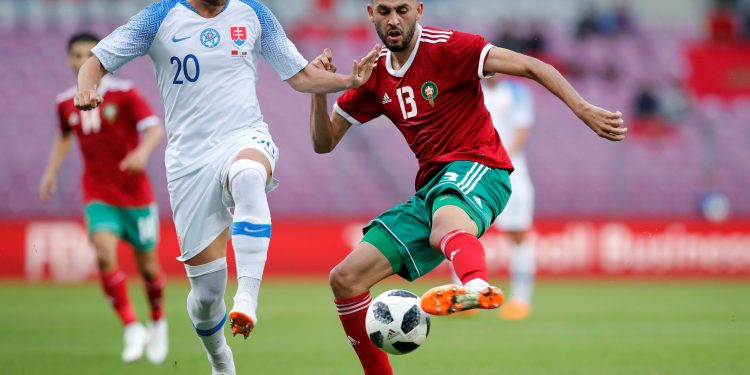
[188, 69]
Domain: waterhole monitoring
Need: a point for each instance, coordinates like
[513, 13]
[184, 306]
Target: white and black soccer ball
[396, 323]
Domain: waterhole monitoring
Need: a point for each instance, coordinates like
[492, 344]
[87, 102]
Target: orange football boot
[448, 299]
[241, 324]
[515, 310]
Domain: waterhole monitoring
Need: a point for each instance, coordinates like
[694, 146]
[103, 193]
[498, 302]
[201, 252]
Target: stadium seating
[576, 174]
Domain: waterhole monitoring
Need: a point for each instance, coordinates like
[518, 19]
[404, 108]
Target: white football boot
[134, 338]
[158, 343]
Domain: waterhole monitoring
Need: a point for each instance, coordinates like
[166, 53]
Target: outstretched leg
[454, 233]
[351, 281]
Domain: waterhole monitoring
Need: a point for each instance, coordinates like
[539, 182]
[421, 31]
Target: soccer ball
[396, 323]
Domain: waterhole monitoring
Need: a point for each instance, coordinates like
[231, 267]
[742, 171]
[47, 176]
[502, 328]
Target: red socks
[116, 289]
[155, 293]
[467, 255]
[352, 313]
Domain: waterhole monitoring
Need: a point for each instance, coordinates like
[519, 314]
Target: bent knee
[344, 282]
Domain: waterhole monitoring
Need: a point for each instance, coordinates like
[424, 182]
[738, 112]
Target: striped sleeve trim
[345, 115]
[482, 58]
[148, 122]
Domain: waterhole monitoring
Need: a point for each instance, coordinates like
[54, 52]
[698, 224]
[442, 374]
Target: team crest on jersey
[238, 34]
[110, 112]
[210, 38]
[430, 92]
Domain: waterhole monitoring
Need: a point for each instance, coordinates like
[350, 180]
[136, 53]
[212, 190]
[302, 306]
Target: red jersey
[435, 100]
[106, 135]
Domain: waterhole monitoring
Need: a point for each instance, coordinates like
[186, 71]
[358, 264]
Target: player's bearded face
[396, 37]
[395, 21]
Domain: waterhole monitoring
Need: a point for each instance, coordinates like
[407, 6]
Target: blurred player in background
[511, 106]
[427, 81]
[117, 193]
[220, 153]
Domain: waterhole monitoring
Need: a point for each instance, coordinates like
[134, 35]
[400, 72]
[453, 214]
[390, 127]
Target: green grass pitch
[577, 327]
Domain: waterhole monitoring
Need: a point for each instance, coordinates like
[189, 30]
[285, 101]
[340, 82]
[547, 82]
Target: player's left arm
[606, 124]
[152, 133]
[137, 159]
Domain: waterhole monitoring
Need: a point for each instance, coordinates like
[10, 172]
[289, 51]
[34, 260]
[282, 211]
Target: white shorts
[518, 214]
[201, 201]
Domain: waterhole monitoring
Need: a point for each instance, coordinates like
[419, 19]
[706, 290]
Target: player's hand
[134, 162]
[86, 100]
[606, 124]
[325, 61]
[363, 68]
[47, 187]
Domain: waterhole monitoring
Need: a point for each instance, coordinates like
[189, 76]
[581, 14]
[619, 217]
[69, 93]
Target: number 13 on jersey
[406, 100]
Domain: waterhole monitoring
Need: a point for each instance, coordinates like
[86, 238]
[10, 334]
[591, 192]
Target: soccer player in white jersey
[219, 152]
[511, 107]
[510, 104]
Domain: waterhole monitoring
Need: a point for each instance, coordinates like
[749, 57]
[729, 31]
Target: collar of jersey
[401, 72]
[186, 3]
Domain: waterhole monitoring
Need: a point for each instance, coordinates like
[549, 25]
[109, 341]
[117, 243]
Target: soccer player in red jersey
[117, 193]
[427, 82]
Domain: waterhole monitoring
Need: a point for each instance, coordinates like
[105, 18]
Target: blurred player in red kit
[117, 194]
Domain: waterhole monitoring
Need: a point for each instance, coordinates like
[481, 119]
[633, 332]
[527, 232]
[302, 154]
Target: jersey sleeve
[468, 52]
[275, 47]
[62, 119]
[358, 106]
[143, 116]
[523, 112]
[134, 38]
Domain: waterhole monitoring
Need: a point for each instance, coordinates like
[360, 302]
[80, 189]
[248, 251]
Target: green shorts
[138, 226]
[402, 233]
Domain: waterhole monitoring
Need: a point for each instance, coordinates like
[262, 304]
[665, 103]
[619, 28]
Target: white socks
[205, 305]
[522, 272]
[246, 298]
[251, 231]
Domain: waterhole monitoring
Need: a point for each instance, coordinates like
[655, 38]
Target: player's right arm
[326, 132]
[121, 46]
[89, 77]
[60, 150]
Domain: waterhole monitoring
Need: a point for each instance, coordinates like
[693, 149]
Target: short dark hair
[84, 36]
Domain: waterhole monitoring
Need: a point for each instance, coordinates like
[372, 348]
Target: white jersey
[206, 69]
[511, 107]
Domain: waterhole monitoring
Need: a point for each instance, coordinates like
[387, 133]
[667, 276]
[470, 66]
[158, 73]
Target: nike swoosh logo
[248, 230]
[176, 40]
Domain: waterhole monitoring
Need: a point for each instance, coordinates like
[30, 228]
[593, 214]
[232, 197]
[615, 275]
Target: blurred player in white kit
[511, 106]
